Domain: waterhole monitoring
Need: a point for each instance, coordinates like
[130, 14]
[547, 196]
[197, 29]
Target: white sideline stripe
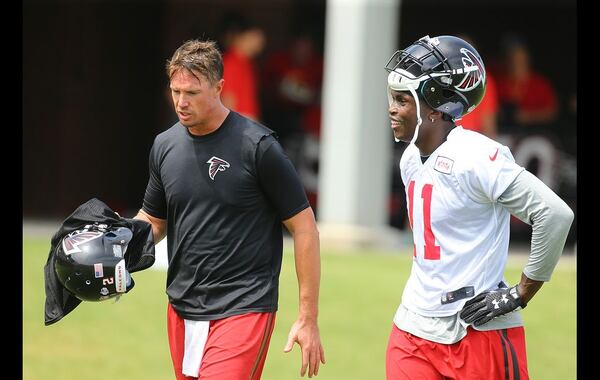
[518, 253]
[161, 262]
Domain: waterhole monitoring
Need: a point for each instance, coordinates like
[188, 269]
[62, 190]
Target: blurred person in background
[220, 187]
[292, 80]
[242, 42]
[527, 98]
[459, 317]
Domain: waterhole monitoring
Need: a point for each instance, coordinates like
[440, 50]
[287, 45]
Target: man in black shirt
[220, 188]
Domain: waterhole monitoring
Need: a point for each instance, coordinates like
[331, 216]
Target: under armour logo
[496, 302]
[504, 299]
[216, 165]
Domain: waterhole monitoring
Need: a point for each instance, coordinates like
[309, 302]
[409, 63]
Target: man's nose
[182, 101]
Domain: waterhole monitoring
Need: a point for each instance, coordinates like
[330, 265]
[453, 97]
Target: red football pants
[480, 355]
[236, 347]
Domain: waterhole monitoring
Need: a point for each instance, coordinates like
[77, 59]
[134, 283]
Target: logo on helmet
[216, 165]
[474, 71]
[71, 243]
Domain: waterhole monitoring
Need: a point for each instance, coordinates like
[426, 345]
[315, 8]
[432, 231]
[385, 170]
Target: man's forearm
[158, 225]
[308, 271]
[533, 202]
[528, 287]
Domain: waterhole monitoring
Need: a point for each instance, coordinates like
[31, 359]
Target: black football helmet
[90, 262]
[445, 71]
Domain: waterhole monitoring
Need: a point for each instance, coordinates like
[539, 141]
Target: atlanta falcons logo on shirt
[216, 165]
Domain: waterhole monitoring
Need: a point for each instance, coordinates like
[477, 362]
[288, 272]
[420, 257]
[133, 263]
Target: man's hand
[489, 305]
[306, 334]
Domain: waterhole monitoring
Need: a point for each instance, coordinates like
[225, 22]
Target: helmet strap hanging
[419, 120]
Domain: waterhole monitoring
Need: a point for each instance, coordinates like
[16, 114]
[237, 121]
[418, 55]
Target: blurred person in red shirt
[243, 41]
[526, 97]
[292, 80]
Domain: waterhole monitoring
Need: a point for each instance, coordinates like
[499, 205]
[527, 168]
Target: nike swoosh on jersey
[493, 158]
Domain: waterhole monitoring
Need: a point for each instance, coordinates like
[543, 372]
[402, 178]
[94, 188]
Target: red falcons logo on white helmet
[216, 165]
[475, 73]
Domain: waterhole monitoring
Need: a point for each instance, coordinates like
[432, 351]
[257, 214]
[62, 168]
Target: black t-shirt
[224, 196]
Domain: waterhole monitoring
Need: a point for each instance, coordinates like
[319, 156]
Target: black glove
[488, 305]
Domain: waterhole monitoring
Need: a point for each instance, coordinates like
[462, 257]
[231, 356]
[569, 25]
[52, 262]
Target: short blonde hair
[201, 56]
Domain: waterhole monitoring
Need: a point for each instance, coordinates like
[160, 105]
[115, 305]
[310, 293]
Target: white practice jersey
[461, 233]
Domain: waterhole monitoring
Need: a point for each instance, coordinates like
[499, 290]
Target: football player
[459, 317]
[220, 188]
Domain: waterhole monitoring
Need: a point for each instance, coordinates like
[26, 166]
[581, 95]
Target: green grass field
[359, 295]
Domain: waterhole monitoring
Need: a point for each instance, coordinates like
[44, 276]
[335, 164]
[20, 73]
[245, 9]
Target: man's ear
[219, 86]
[434, 115]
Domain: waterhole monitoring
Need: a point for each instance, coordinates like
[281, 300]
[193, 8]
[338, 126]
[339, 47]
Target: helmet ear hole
[447, 94]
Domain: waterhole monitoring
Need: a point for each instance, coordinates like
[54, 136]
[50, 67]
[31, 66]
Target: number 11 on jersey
[432, 251]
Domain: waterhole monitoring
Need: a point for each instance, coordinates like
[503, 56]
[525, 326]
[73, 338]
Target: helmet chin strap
[419, 120]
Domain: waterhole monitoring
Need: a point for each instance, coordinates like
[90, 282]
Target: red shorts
[236, 347]
[489, 355]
